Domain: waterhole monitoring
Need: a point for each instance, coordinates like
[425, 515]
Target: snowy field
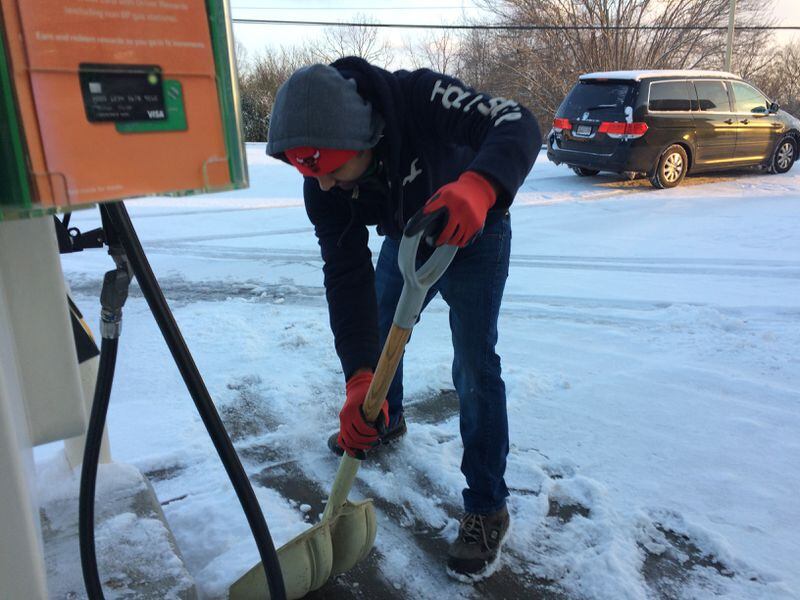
[650, 348]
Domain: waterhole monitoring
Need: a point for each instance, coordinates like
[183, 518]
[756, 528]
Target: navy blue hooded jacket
[435, 129]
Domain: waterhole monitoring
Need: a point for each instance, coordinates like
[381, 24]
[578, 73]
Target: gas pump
[99, 101]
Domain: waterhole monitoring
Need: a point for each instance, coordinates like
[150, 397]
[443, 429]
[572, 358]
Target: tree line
[537, 67]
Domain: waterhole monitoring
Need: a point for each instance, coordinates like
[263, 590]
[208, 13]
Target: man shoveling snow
[376, 147]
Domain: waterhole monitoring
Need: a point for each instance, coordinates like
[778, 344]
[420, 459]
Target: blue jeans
[472, 287]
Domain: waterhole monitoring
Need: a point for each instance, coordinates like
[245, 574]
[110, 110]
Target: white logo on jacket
[498, 109]
[413, 174]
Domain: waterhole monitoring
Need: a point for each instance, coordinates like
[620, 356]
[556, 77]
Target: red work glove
[466, 200]
[357, 435]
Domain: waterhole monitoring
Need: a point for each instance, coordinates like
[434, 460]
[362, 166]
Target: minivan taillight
[615, 129]
[636, 129]
[612, 128]
[560, 125]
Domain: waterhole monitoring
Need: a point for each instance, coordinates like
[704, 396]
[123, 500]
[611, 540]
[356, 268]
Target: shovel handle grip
[384, 373]
[416, 283]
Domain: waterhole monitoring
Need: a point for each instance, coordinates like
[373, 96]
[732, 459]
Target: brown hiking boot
[475, 554]
[389, 437]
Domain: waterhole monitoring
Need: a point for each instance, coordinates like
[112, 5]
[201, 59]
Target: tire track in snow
[283, 256]
[763, 269]
[655, 265]
[594, 311]
[169, 242]
[182, 291]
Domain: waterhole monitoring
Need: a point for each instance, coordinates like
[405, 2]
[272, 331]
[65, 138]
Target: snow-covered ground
[650, 348]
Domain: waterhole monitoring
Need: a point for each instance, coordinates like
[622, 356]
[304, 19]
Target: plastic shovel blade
[331, 546]
[353, 533]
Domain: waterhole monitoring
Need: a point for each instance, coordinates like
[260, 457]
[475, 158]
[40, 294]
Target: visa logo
[155, 114]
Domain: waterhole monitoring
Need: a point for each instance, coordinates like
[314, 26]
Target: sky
[256, 37]
[788, 13]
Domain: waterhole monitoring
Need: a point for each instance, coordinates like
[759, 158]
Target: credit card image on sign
[122, 93]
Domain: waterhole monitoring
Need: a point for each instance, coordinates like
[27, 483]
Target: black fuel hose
[91, 455]
[120, 222]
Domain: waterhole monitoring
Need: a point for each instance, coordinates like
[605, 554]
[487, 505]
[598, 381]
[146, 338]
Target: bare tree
[469, 56]
[780, 80]
[478, 60]
[365, 41]
[439, 52]
[542, 65]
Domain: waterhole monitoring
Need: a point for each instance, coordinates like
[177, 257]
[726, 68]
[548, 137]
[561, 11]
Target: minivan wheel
[583, 172]
[784, 156]
[671, 168]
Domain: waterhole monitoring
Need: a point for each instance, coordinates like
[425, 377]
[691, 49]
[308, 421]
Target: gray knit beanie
[318, 107]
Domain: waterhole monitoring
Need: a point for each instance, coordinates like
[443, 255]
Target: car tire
[583, 172]
[671, 168]
[784, 156]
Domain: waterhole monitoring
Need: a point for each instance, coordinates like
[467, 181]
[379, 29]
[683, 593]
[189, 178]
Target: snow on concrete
[134, 549]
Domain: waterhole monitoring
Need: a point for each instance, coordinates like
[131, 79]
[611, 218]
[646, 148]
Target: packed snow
[649, 343]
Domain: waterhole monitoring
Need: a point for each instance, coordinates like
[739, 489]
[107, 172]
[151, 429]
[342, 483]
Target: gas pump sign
[109, 99]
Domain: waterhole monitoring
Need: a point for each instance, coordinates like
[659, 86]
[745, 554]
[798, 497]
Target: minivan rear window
[669, 96]
[713, 96]
[600, 99]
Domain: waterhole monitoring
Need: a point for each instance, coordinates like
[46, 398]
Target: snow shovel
[346, 532]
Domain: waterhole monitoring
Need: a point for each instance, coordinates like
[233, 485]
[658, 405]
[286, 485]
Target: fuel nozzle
[116, 284]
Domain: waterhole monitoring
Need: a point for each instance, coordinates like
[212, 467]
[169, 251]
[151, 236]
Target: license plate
[583, 130]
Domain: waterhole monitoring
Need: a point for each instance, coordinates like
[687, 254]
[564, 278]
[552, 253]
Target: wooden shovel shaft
[384, 373]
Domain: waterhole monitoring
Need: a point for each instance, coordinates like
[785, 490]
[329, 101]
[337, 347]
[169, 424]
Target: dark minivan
[664, 124]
